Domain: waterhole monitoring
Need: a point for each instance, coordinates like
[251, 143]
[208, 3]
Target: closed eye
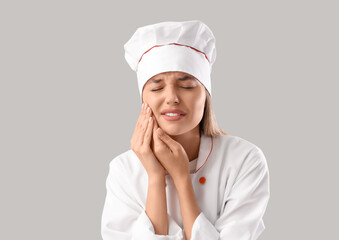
[154, 90]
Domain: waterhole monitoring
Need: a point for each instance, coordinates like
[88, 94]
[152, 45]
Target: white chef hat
[187, 46]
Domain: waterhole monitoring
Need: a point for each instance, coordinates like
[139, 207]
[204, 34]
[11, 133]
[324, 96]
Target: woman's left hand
[170, 153]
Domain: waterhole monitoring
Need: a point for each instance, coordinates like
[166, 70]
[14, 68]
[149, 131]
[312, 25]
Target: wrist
[182, 182]
[157, 179]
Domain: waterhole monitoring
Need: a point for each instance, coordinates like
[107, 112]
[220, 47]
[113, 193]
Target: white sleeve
[123, 217]
[243, 209]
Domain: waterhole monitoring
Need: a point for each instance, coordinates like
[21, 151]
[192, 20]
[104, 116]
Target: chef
[184, 177]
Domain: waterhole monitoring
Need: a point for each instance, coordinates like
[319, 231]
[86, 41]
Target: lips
[178, 111]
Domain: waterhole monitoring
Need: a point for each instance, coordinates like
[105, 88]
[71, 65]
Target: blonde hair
[208, 123]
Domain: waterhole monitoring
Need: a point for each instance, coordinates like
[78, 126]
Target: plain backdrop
[69, 104]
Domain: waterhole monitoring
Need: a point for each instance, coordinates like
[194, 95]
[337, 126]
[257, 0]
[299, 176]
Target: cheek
[153, 104]
[199, 101]
[147, 99]
[198, 108]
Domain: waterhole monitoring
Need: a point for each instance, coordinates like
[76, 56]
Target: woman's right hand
[141, 143]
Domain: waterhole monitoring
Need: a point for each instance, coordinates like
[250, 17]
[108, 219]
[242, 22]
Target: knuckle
[161, 149]
[144, 151]
[156, 150]
[136, 148]
[156, 145]
[176, 148]
[157, 154]
[143, 128]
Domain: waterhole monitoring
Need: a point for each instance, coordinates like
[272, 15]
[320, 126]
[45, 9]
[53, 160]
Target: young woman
[184, 177]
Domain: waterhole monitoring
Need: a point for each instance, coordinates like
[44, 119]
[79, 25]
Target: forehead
[167, 76]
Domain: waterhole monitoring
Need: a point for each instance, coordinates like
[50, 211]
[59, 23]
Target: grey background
[69, 104]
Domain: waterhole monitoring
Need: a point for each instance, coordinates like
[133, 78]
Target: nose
[171, 95]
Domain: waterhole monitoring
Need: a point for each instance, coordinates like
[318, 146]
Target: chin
[174, 131]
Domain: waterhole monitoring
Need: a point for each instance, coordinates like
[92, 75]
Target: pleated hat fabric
[187, 46]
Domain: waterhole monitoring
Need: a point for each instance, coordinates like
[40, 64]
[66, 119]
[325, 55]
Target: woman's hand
[141, 143]
[170, 153]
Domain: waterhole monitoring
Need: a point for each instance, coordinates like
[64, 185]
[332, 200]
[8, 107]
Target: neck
[190, 142]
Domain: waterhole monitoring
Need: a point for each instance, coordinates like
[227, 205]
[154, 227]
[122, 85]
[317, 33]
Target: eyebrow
[180, 79]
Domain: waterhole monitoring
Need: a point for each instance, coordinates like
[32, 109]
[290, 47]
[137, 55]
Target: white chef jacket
[232, 199]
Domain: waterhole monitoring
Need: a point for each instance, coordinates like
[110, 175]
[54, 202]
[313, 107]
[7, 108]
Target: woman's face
[170, 91]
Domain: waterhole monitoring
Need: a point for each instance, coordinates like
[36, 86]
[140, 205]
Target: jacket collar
[205, 150]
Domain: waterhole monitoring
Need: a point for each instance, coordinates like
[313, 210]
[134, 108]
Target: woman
[184, 177]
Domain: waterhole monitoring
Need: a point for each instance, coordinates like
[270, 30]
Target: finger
[141, 112]
[170, 142]
[146, 122]
[158, 143]
[153, 132]
[135, 136]
[155, 127]
[142, 126]
[148, 133]
[156, 123]
[142, 107]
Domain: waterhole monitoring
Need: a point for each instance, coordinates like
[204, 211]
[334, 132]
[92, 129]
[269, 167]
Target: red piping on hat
[207, 156]
[174, 44]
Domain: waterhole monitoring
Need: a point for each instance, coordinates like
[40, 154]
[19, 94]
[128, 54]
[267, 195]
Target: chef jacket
[230, 179]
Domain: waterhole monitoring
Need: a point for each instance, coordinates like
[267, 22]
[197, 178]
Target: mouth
[173, 116]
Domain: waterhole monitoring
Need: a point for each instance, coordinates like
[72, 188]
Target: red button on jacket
[202, 180]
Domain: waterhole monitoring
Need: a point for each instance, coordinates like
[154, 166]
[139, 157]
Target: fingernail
[148, 110]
